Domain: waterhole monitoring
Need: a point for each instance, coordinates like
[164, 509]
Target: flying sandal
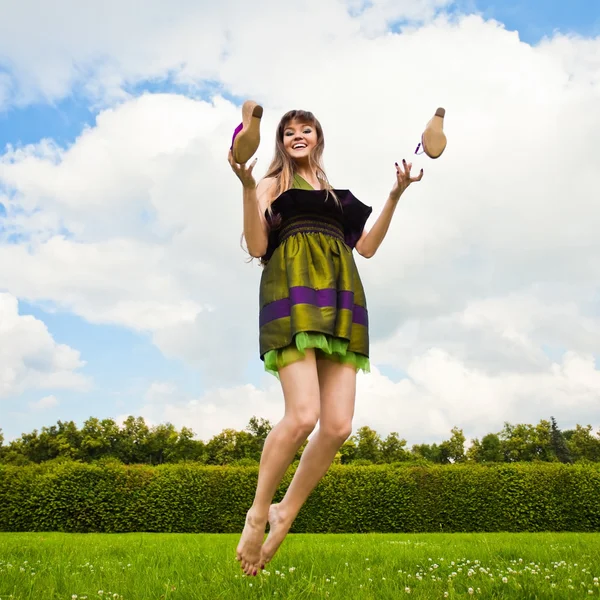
[433, 139]
[246, 137]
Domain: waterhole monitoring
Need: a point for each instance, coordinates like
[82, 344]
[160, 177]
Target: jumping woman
[314, 330]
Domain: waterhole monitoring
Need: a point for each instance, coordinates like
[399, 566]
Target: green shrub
[187, 497]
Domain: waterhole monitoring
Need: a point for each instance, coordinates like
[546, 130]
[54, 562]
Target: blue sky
[535, 19]
[121, 363]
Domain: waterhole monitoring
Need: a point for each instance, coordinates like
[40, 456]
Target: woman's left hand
[403, 179]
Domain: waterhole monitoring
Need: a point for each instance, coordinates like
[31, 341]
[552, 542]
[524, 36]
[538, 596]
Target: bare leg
[338, 391]
[300, 385]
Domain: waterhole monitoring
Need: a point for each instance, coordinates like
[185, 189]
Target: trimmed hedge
[75, 497]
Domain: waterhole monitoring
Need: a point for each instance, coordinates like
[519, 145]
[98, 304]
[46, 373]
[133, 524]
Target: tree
[368, 445]
[161, 444]
[220, 449]
[453, 450]
[347, 453]
[259, 429]
[559, 445]
[488, 450]
[582, 443]
[431, 453]
[99, 438]
[393, 449]
[543, 442]
[188, 448]
[131, 445]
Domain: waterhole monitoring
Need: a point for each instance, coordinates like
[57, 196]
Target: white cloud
[377, 16]
[439, 392]
[30, 358]
[159, 391]
[489, 267]
[44, 403]
[105, 51]
[219, 409]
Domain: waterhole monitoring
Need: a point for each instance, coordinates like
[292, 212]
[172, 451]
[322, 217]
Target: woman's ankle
[259, 513]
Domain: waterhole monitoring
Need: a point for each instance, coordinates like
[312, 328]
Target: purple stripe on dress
[345, 300]
[360, 315]
[305, 295]
[274, 310]
[237, 130]
[320, 298]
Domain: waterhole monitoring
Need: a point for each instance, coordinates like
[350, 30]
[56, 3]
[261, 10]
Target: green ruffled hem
[326, 346]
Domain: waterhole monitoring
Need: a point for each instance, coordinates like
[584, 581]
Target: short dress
[311, 295]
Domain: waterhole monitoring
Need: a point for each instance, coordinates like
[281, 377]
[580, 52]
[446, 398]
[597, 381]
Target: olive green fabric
[313, 263]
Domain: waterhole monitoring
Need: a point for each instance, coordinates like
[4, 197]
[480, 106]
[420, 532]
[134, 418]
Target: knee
[303, 424]
[338, 432]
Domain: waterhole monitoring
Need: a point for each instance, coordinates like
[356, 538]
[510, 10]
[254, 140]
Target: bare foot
[248, 550]
[279, 525]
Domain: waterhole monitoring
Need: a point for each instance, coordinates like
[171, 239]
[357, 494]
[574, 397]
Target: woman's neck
[308, 175]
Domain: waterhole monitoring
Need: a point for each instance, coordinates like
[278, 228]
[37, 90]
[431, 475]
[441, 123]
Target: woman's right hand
[243, 172]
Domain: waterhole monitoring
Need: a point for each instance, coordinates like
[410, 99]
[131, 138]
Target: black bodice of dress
[351, 214]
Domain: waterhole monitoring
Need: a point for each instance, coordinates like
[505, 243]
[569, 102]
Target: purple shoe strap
[417, 150]
[237, 130]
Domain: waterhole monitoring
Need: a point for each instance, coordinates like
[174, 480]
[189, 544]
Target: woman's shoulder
[265, 191]
[266, 185]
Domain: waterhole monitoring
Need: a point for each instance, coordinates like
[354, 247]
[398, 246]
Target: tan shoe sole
[433, 138]
[246, 141]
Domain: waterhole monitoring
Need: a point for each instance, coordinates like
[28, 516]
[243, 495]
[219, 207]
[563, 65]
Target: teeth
[297, 146]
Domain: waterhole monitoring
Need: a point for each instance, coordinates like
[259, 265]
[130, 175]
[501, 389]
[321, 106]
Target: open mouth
[299, 146]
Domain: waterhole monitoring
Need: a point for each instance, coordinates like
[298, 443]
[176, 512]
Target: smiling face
[299, 139]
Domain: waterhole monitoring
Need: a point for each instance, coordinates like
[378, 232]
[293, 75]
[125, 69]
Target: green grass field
[186, 566]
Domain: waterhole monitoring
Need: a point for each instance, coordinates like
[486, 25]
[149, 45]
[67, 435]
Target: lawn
[187, 566]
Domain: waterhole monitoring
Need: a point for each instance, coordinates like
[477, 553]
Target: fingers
[404, 175]
[249, 169]
[418, 177]
[406, 172]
